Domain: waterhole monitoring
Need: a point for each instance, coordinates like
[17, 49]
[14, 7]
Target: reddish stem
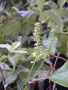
[55, 62]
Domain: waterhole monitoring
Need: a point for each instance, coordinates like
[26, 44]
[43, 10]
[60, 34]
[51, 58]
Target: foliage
[18, 53]
[60, 75]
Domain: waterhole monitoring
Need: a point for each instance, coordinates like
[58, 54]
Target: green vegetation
[30, 32]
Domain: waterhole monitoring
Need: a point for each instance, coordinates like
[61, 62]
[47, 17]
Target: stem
[38, 70]
[61, 58]
[55, 62]
[66, 33]
[5, 85]
[28, 76]
[50, 88]
[54, 86]
[9, 88]
[23, 86]
[30, 71]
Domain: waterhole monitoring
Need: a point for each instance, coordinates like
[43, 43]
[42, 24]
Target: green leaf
[67, 45]
[7, 46]
[40, 4]
[61, 3]
[3, 57]
[4, 66]
[53, 5]
[9, 75]
[1, 37]
[26, 28]
[11, 59]
[20, 83]
[17, 58]
[15, 45]
[14, 59]
[12, 77]
[67, 1]
[56, 18]
[60, 76]
[42, 17]
[67, 49]
[62, 12]
[57, 29]
[62, 42]
[8, 5]
[11, 27]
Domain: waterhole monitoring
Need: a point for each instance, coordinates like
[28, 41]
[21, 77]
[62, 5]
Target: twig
[55, 62]
[9, 88]
[61, 58]
[5, 85]
[54, 86]
[23, 86]
[50, 88]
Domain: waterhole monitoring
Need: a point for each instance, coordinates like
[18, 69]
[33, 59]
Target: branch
[55, 62]
[23, 86]
[5, 85]
[61, 58]
[4, 82]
